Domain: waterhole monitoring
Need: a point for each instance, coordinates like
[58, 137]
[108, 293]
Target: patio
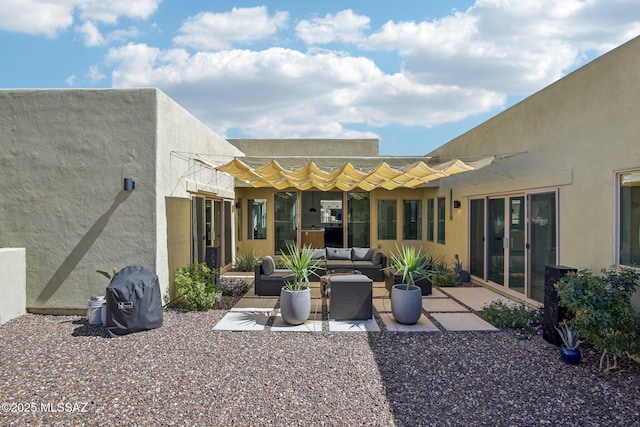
[446, 309]
[185, 373]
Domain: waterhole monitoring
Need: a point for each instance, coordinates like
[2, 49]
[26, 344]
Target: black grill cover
[134, 302]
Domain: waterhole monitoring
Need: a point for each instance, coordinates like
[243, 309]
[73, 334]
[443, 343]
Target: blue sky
[413, 73]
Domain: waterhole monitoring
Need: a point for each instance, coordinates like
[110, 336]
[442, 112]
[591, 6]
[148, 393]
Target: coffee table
[324, 280]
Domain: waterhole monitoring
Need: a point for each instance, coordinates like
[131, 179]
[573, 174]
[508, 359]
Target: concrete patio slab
[435, 293]
[255, 304]
[382, 305]
[279, 325]
[476, 298]
[442, 304]
[462, 322]
[380, 292]
[423, 325]
[354, 326]
[243, 321]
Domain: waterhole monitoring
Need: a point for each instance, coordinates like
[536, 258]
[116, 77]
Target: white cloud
[50, 17]
[95, 75]
[508, 46]
[110, 11]
[211, 31]
[71, 80]
[90, 34]
[344, 26]
[286, 93]
[36, 17]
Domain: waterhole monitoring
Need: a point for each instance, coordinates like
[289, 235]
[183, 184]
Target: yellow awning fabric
[346, 176]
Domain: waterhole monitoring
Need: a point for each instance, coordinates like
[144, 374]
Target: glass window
[257, 219]
[239, 218]
[629, 229]
[358, 226]
[430, 219]
[387, 219]
[286, 220]
[412, 225]
[441, 220]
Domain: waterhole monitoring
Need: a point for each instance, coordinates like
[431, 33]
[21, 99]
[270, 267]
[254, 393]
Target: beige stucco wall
[307, 146]
[180, 137]
[64, 154]
[13, 282]
[576, 134]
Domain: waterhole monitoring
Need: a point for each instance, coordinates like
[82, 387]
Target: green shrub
[246, 262]
[513, 315]
[602, 311]
[445, 278]
[196, 286]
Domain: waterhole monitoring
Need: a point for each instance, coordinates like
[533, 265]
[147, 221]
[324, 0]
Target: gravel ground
[184, 373]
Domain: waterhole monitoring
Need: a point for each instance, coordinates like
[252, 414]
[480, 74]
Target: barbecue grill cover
[134, 301]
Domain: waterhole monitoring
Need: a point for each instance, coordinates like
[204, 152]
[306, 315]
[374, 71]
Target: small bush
[280, 263]
[233, 287]
[515, 316]
[446, 278]
[196, 285]
[602, 310]
[246, 262]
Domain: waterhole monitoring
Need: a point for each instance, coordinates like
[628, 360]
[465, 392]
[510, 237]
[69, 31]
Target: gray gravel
[184, 373]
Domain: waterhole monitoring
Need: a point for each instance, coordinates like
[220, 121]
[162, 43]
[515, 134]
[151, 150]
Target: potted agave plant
[406, 298]
[295, 297]
[569, 351]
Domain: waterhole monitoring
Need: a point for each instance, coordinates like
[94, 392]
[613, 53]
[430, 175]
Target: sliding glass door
[520, 240]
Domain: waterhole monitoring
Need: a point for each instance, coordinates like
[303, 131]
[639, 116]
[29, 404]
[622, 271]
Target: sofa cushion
[362, 254]
[319, 254]
[339, 253]
[268, 265]
[376, 258]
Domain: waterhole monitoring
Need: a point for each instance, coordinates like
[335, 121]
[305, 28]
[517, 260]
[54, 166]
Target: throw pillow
[268, 265]
[362, 254]
[339, 253]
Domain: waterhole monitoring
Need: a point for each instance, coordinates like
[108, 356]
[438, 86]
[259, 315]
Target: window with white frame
[629, 219]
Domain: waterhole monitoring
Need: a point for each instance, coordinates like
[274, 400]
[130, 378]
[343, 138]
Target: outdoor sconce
[456, 204]
[313, 210]
[129, 184]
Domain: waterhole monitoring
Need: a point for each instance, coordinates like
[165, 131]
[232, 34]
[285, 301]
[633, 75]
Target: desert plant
[513, 315]
[196, 286]
[246, 262]
[570, 339]
[107, 274]
[302, 263]
[233, 287]
[444, 277]
[602, 311]
[410, 263]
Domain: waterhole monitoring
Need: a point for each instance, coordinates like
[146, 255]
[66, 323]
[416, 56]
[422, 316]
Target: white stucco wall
[13, 282]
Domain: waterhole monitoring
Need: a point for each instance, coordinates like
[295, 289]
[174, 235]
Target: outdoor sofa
[370, 262]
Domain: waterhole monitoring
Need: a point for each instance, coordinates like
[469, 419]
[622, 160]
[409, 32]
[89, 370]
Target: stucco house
[552, 180]
[563, 188]
[65, 155]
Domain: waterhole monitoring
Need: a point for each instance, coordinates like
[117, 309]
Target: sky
[412, 73]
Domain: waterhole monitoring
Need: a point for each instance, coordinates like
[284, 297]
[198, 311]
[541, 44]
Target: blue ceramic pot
[571, 357]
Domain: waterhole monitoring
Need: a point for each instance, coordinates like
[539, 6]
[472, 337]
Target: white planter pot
[295, 306]
[406, 305]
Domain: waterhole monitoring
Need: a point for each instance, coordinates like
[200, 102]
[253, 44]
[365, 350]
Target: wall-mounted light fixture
[456, 204]
[313, 210]
[129, 184]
